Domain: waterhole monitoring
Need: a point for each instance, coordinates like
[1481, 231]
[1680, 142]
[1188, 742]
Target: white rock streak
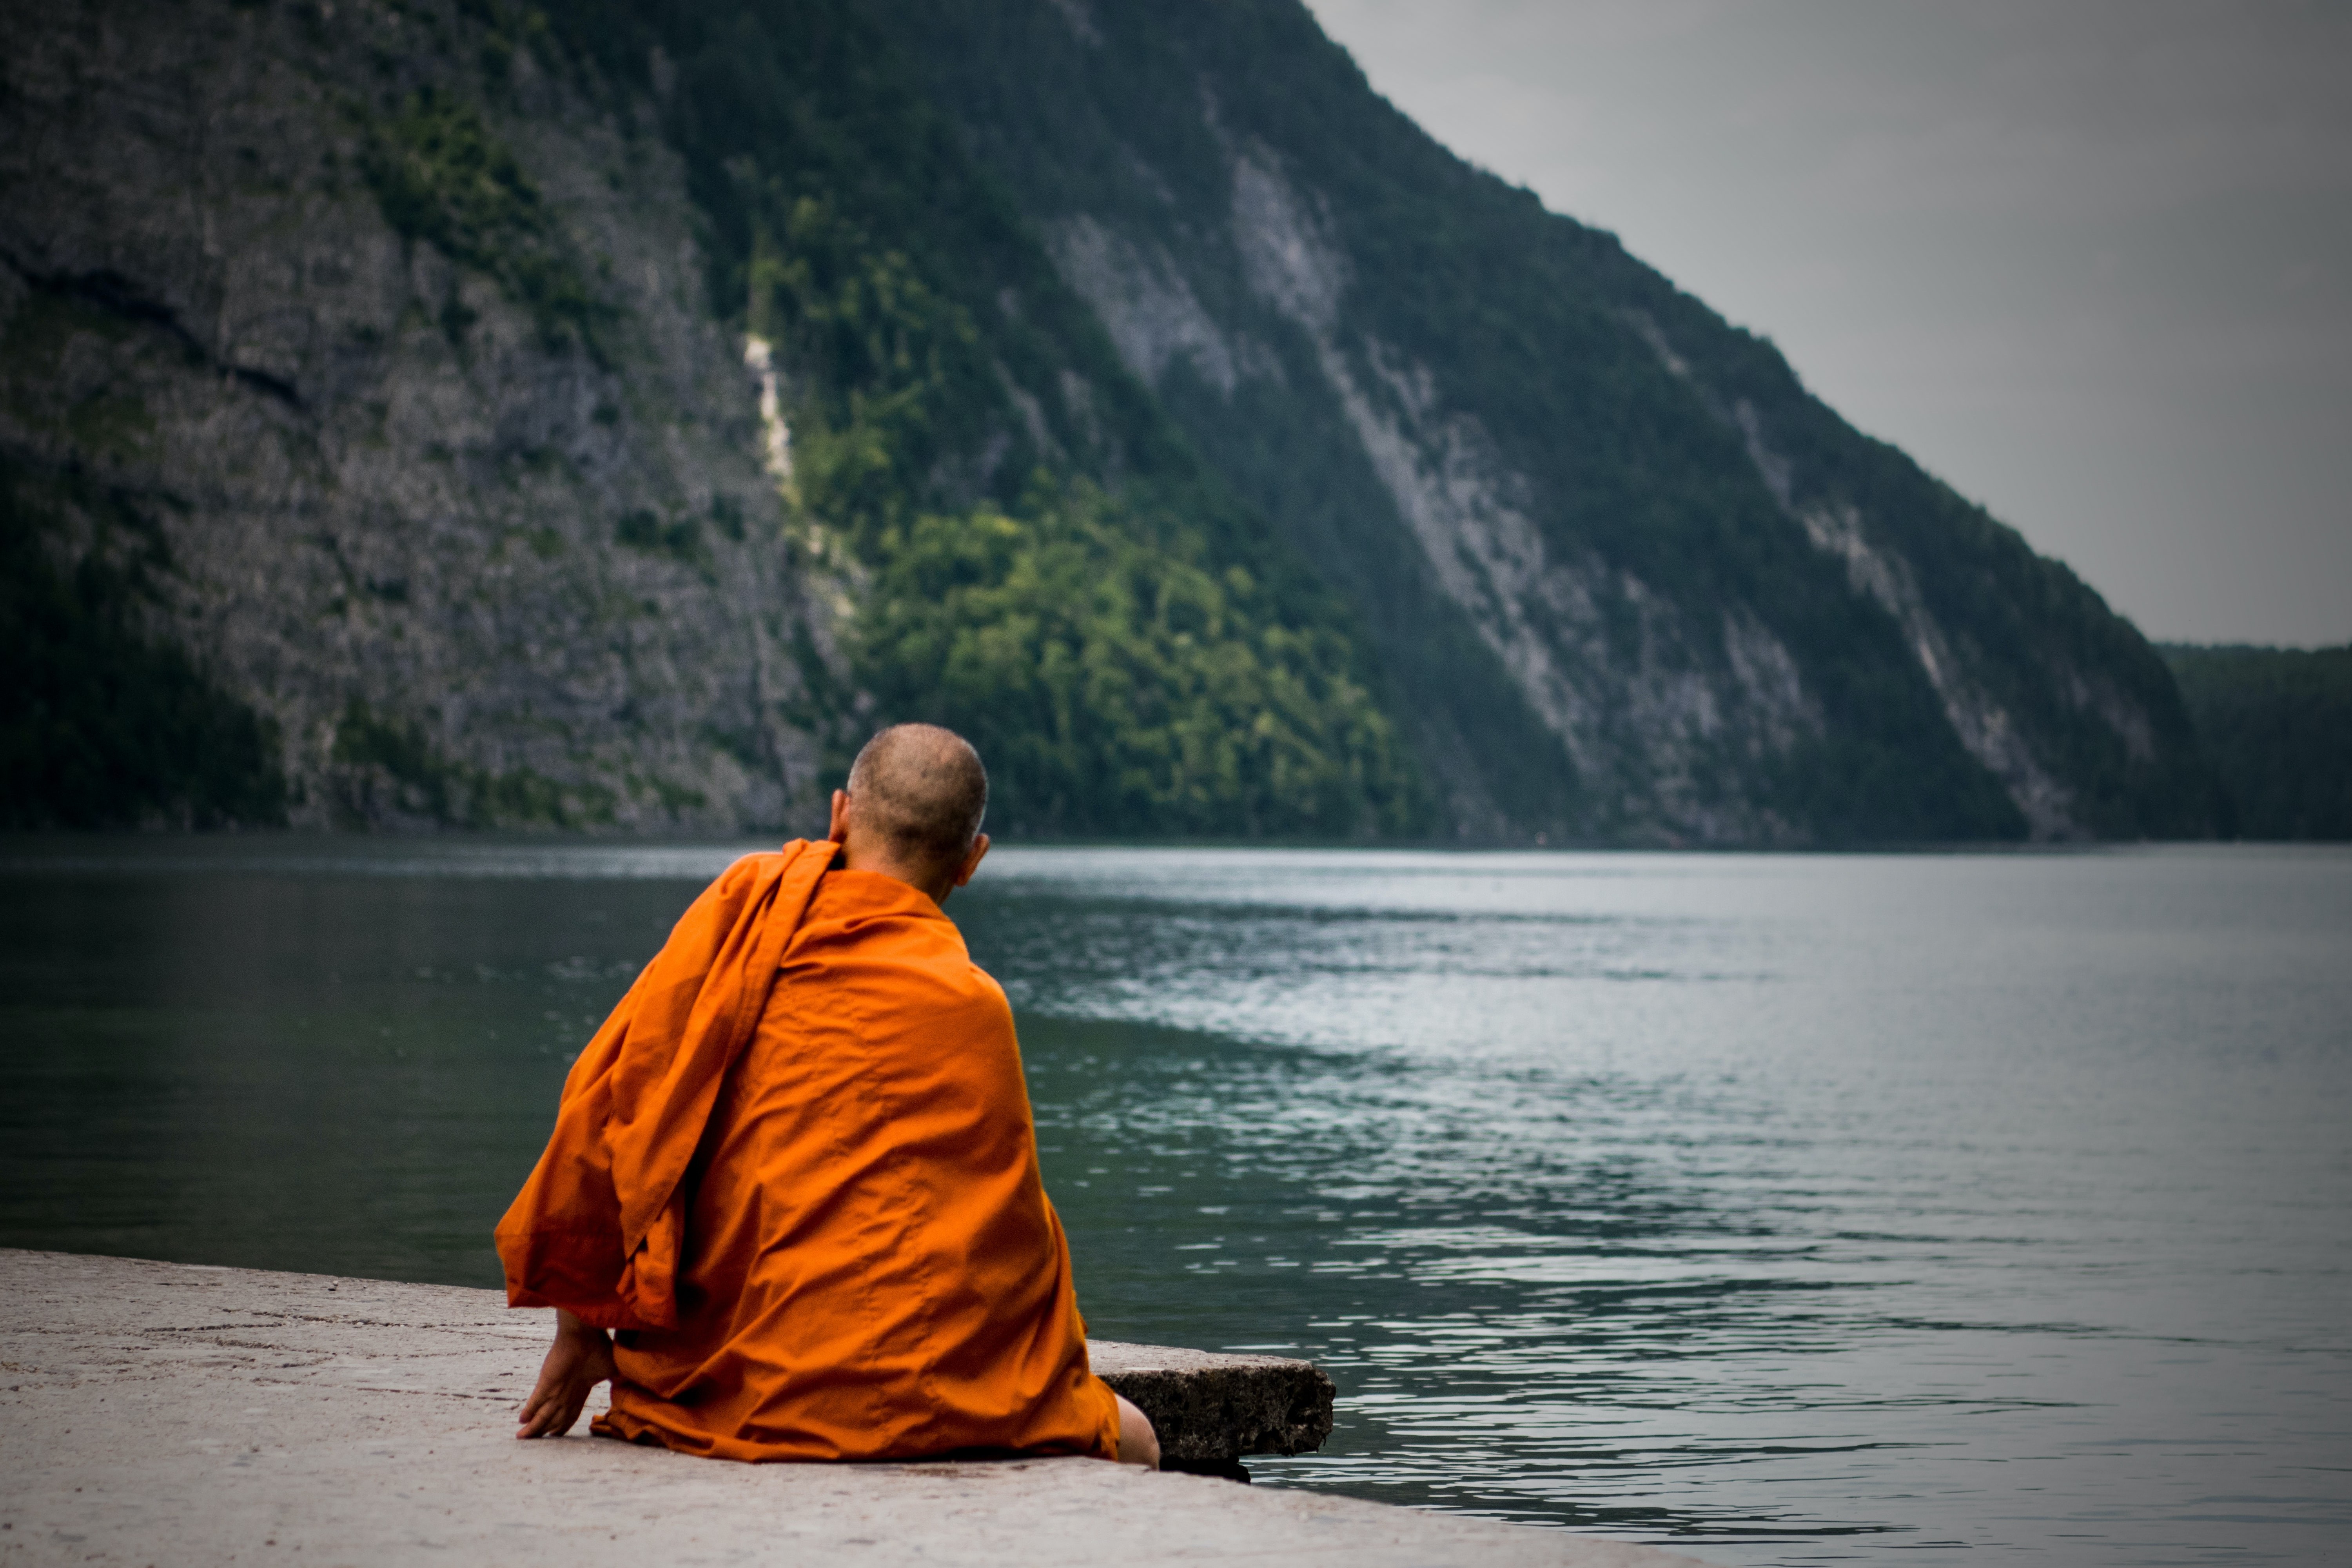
[1983, 724]
[1143, 301]
[776, 437]
[1486, 554]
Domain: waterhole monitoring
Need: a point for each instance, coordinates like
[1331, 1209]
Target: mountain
[2276, 725]
[461, 413]
[1562, 490]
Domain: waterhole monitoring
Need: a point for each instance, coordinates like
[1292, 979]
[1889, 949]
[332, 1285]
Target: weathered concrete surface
[1210, 1410]
[155, 1413]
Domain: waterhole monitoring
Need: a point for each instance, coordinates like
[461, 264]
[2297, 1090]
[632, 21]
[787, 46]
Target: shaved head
[922, 789]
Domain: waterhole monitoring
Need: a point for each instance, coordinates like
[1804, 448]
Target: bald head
[922, 791]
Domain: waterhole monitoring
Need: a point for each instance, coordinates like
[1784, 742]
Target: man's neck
[858, 856]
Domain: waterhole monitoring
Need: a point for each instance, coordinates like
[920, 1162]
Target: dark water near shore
[1785, 1209]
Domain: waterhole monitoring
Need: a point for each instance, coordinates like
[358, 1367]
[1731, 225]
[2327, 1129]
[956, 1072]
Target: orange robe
[796, 1168]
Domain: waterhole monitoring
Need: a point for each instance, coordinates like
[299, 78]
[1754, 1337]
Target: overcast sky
[2088, 260]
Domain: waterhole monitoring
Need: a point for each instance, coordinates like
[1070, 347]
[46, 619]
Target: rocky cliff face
[390, 353]
[1736, 619]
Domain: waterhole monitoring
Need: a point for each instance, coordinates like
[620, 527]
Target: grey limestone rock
[473, 570]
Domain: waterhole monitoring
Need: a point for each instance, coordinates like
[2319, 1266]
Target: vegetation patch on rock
[441, 176]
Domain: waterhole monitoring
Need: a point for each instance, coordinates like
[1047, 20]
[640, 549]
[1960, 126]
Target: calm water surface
[1783, 1209]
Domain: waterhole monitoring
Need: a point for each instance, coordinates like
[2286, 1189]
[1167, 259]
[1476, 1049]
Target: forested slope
[2276, 726]
[603, 417]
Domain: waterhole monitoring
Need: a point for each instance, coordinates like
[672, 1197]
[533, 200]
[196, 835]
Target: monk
[791, 1207]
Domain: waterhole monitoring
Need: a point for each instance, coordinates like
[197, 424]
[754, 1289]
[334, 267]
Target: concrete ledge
[152, 1412]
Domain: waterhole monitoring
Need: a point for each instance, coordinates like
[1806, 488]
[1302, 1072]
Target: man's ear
[838, 833]
[972, 861]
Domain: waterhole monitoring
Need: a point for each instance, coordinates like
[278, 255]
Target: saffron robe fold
[797, 1169]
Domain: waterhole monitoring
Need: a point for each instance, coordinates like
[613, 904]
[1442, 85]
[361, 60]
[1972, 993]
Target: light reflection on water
[1784, 1208]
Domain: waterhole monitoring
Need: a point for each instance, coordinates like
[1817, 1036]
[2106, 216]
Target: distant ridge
[2276, 726]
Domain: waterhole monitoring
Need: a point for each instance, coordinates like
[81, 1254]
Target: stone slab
[1211, 1410]
[160, 1414]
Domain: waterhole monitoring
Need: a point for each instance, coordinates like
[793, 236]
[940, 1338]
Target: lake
[1779, 1208]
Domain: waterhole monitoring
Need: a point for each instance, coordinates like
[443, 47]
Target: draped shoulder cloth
[598, 1228]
